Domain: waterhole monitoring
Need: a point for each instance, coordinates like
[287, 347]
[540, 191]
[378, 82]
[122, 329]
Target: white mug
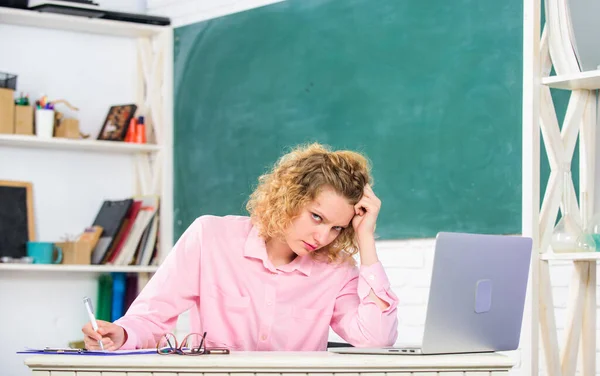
[44, 123]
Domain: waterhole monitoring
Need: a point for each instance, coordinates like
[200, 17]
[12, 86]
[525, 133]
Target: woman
[278, 279]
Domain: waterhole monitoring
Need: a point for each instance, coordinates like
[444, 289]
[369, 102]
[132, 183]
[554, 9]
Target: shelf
[13, 140]
[78, 268]
[22, 17]
[584, 80]
[579, 256]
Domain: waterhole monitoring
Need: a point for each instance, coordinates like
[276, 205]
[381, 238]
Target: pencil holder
[44, 123]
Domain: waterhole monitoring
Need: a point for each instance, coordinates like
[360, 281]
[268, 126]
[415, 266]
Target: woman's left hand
[366, 211]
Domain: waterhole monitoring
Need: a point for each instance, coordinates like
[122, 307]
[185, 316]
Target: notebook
[110, 217]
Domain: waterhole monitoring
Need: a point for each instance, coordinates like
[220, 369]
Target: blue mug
[44, 253]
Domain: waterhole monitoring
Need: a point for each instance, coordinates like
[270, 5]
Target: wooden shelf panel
[117, 147]
[579, 256]
[22, 17]
[78, 268]
[584, 80]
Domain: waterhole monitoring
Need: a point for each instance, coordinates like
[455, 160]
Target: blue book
[118, 297]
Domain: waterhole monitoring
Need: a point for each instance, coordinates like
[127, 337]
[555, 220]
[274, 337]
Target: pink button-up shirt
[219, 270]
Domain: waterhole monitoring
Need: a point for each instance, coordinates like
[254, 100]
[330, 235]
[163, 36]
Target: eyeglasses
[192, 344]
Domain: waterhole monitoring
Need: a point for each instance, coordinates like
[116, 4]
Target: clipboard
[74, 351]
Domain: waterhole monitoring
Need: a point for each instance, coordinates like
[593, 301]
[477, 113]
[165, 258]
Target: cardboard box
[23, 119]
[7, 110]
[76, 253]
[79, 252]
[67, 128]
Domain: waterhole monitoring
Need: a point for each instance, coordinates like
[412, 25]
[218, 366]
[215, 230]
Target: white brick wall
[408, 263]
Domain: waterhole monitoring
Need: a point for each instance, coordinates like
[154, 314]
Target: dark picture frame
[117, 122]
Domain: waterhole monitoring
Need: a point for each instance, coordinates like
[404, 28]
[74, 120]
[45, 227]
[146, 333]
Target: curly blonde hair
[296, 179]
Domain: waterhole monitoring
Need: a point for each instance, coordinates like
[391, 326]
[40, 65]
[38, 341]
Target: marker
[88, 305]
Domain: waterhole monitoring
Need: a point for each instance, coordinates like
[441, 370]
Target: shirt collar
[255, 248]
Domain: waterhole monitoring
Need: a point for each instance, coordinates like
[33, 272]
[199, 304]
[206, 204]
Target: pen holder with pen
[44, 122]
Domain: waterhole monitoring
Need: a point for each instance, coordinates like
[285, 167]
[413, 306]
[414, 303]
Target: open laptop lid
[477, 294]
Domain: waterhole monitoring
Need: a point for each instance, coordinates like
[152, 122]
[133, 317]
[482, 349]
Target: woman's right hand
[112, 336]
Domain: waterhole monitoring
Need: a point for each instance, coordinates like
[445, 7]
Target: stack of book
[130, 232]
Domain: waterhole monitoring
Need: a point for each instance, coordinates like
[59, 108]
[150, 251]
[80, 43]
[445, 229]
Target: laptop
[476, 298]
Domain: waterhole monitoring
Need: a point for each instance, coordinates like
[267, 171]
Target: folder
[110, 218]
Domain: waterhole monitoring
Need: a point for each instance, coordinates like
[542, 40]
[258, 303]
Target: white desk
[262, 363]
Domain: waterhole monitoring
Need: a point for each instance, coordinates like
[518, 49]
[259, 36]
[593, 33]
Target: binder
[118, 296]
[104, 306]
[110, 218]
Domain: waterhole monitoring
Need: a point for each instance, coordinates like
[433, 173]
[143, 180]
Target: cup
[44, 123]
[44, 253]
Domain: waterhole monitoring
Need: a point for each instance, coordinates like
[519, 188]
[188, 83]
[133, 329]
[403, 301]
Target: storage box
[67, 128]
[23, 119]
[7, 110]
[76, 253]
[8, 81]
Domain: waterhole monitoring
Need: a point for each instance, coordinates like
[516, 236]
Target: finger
[369, 193]
[111, 347]
[107, 342]
[107, 328]
[367, 207]
[91, 333]
[105, 325]
[87, 328]
[372, 201]
[365, 203]
[358, 209]
[366, 192]
[91, 344]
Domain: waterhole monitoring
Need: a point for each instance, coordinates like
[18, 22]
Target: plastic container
[8, 81]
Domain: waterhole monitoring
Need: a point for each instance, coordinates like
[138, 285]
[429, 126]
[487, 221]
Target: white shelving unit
[77, 268]
[576, 81]
[21, 17]
[581, 256]
[542, 52]
[153, 162]
[21, 141]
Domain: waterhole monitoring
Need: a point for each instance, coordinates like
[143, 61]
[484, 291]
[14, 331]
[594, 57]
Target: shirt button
[264, 337]
[269, 303]
[372, 277]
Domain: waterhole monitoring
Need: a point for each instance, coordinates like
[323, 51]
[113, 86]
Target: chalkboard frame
[28, 186]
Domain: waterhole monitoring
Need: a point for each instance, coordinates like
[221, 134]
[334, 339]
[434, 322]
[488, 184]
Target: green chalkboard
[430, 91]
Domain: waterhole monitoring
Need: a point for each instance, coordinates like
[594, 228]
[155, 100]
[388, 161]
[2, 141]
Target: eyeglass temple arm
[202, 341]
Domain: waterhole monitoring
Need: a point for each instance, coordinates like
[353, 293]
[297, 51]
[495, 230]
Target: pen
[88, 305]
